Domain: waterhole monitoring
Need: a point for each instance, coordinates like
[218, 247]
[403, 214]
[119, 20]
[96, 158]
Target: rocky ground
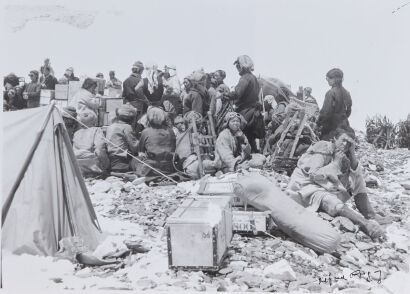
[132, 212]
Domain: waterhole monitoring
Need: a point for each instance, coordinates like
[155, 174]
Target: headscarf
[87, 117]
[245, 62]
[155, 117]
[196, 77]
[335, 73]
[126, 111]
[138, 64]
[231, 115]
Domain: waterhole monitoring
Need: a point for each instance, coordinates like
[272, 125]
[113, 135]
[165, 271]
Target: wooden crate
[253, 222]
[199, 233]
[46, 96]
[61, 92]
[111, 104]
[219, 187]
[111, 92]
[73, 88]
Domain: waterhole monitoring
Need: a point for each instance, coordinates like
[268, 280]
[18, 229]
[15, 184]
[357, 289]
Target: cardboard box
[61, 92]
[73, 88]
[219, 187]
[199, 233]
[253, 222]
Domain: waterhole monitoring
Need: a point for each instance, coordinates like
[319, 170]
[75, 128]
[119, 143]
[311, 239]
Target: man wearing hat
[198, 97]
[69, 75]
[122, 135]
[133, 94]
[32, 90]
[246, 94]
[336, 108]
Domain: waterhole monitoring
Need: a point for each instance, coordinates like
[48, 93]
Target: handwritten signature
[330, 279]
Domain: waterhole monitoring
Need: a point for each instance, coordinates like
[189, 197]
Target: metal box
[61, 92]
[253, 222]
[219, 187]
[199, 233]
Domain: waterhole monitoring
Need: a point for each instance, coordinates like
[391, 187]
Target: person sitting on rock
[89, 145]
[156, 146]
[232, 147]
[122, 138]
[326, 177]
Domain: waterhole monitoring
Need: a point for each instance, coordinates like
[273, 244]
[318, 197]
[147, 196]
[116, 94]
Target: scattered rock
[280, 270]
[225, 271]
[344, 224]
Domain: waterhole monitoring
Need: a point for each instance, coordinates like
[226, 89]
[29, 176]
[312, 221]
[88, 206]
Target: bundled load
[293, 219]
[381, 132]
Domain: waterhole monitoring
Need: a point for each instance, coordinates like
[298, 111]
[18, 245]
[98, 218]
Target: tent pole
[80, 177]
[20, 176]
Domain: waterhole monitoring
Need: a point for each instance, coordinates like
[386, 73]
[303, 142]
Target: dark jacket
[73, 78]
[49, 82]
[155, 97]
[336, 110]
[33, 92]
[197, 100]
[246, 92]
[130, 94]
[14, 102]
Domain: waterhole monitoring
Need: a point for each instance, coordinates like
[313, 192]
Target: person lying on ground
[326, 177]
[89, 145]
[85, 97]
[122, 139]
[232, 147]
[156, 146]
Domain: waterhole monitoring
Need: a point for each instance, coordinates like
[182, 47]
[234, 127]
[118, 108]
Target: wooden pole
[20, 176]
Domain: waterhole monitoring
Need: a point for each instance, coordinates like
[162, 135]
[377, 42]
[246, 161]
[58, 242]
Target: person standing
[336, 108]
[48, 81]
[113, 82]
[32, 90]
[46, 64]
[246, 96]
[133, 94]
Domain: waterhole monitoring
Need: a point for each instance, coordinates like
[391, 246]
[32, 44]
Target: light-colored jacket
[225, 148]
[90, 150]
[85, 99]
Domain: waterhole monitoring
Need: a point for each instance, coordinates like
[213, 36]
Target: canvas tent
[44, 198]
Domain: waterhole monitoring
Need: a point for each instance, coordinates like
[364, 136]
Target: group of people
[153, 130]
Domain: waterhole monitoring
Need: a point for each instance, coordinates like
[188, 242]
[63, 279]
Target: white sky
[295, 41]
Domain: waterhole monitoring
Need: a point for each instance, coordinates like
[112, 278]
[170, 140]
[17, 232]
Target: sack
[293, 219]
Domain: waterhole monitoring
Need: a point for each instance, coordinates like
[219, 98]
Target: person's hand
[375, 231]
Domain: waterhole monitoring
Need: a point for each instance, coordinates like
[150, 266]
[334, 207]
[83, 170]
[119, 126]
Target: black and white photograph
[205, 146]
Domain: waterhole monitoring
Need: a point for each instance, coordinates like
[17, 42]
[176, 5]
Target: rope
[139, 160]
